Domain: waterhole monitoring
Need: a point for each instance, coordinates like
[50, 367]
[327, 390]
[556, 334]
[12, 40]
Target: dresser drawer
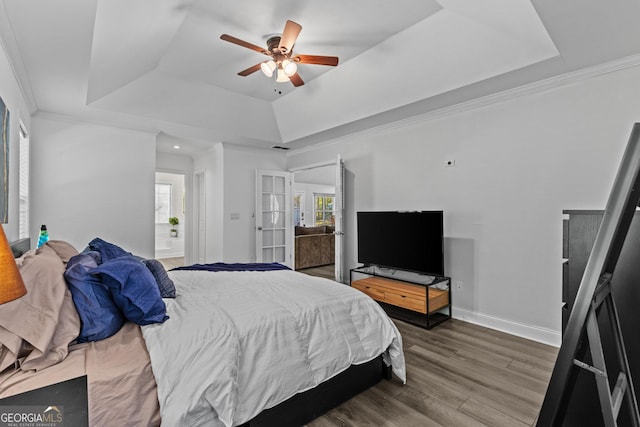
[402, 294]
[423, 304]
[438, 299]
[408, 301]
[372, 291]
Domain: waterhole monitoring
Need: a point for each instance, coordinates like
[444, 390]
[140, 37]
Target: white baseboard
[535, 333]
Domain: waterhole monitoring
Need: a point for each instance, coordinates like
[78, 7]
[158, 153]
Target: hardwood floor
[458, 374]
[170, 263]
[326, 271]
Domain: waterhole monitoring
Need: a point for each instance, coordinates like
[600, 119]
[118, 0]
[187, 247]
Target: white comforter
[240, 342]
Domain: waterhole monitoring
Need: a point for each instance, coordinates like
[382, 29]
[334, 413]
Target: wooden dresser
[421, 304]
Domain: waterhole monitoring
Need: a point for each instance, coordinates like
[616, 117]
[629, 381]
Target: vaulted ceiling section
[161, 66]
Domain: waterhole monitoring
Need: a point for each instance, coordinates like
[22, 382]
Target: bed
[247, 347]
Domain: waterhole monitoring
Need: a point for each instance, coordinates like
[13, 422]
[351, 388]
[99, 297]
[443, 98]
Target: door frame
[188, 215]
[338, 163]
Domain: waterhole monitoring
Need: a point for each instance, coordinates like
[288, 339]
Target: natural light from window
[23, 182]
[323, 208]
[163, 203]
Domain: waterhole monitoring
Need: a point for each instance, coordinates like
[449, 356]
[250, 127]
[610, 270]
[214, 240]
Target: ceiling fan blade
[235, 40]
[289, 36]
[296, 80]
[316, 59]
[249, 70]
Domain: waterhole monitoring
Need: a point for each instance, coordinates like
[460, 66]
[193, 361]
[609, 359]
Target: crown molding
[68, 118]
[481, 102]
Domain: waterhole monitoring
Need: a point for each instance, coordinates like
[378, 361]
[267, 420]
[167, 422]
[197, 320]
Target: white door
[273, 217]
[339, 225]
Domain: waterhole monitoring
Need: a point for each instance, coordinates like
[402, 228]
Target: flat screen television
[403, 240]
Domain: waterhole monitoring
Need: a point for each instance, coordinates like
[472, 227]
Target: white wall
[519, 163]
[210, 163]
[16, 104]
[176, 163]
[93, 181]
[230, 189]
[240, 164]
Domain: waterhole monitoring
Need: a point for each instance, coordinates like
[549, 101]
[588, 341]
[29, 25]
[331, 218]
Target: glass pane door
[273, 219]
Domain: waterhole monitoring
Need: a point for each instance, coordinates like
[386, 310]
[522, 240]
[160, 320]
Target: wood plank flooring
[326, 271]
[458, 374]
[170, 263]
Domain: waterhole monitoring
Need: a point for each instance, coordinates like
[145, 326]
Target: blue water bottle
[44, 236]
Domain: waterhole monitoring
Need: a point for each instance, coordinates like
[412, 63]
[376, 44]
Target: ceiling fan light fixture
[281, 76]
[268, 67]
[289, 67]
[282, 63]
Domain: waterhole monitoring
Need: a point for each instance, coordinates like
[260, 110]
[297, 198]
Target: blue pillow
[133, 289]
[107, 250]
[165, 284]
[100, 317]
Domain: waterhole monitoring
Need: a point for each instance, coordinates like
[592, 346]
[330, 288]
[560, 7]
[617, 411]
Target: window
[323, 208]
[23, 183]
[298, 209]
[163, 203]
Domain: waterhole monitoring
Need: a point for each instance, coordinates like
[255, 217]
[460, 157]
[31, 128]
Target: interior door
[273, 217]
[339, 224]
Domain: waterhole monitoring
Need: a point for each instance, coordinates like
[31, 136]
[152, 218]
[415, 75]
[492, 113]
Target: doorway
[317, 215]
[170, 218]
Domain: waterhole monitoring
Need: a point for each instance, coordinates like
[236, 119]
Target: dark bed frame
[306, 406]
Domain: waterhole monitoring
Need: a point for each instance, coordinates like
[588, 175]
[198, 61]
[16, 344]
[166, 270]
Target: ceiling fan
[283, 62]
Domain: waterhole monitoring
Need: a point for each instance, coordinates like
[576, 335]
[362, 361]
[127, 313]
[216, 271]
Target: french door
[273, 217]
[339, 225]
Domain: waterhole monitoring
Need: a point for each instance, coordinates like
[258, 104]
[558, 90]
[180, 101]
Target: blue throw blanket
[221, 266]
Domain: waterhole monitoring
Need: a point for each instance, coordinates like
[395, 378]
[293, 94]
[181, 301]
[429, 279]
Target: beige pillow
[45, 317]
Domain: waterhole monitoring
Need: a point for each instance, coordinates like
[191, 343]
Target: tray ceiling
[160, 65]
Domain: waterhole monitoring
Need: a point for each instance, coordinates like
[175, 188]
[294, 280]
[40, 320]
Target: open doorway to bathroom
[170, 219]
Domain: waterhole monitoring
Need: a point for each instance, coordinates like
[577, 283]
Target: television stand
[422, 300]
